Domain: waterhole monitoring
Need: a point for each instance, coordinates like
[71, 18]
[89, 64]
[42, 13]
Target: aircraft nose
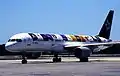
[9, 46]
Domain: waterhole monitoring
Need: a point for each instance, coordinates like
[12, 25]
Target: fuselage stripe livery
[59, 37]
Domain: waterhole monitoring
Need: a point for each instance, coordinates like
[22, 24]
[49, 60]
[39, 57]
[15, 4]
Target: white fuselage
[35, 42]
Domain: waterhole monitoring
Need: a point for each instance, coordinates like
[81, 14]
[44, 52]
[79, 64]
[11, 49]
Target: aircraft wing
[91, 44]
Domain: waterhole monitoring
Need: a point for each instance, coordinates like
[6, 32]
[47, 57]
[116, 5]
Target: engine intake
[81, 52]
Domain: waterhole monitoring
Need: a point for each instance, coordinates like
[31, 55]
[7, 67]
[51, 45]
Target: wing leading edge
[91, 44]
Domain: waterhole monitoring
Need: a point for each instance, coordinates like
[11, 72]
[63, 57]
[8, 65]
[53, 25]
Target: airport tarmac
[97, 66]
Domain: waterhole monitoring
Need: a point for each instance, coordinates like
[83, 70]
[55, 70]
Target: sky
[57, 16]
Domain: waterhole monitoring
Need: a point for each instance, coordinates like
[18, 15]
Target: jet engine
[82, 53]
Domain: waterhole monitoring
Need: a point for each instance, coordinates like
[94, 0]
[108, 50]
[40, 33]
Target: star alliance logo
[107, 25]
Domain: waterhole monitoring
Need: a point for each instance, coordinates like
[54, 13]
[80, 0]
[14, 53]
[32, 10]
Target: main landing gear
[84, 59]
[24, 59]
[56, 59]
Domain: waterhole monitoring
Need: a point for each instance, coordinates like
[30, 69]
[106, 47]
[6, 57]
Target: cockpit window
[12, 40]
[18, 40]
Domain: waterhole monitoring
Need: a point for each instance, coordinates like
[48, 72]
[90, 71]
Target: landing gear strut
[84, 59]
[56, 59]
[24, 59]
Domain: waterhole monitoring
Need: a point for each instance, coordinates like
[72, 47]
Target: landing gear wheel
[84, 59]
[24, 61]
[59, 59]
[56, 59]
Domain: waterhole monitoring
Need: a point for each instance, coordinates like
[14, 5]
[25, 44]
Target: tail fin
[106, 28]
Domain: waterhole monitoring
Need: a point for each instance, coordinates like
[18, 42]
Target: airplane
[81, 45]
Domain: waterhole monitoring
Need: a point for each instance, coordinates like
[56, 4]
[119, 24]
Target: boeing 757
[81, 45]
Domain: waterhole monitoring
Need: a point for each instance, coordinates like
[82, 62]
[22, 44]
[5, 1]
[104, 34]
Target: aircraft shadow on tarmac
[50, 62]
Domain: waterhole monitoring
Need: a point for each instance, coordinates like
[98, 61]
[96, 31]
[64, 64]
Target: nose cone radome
[10, 46]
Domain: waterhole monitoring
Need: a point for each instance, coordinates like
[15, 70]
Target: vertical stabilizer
[106, 28]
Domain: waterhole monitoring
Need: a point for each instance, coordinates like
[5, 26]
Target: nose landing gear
[24, 59]
[56, 59]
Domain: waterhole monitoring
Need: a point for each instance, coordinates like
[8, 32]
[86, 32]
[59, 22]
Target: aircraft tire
[59, 59]
[24, 61]
[85, 59]
[56, 59]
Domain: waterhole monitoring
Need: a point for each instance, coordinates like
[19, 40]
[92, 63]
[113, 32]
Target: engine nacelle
[81, 52]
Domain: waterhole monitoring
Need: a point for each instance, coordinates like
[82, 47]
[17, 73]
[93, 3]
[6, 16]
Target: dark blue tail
[106, 28]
